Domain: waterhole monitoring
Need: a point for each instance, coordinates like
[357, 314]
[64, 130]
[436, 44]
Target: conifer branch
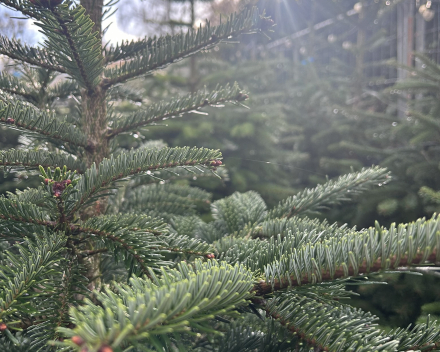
[13, 211]
[34, 56]
[135, 248]
[67, 289]
[187, 297]
[329, 327]
[169, 198]
[122, 92]
[33, 159]
[330, 193]
[428, 120]
[429, 194]
[185, 245]
[135, 162]
[128, 49]
[63, 90]
[179, 173]
[122, 222]
[36, 196]
[70, 31]
[138, 236]
[24, 7]
[239, 212]
[164, 51]
[13, 85]
[177, 107]
[27, 117]
[66, 296]
[423, 337]
[30, 268]
[355, 254]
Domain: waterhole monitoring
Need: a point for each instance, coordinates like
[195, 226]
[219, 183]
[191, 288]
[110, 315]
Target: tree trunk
[94, 10]
[94, 111]
[94, 122]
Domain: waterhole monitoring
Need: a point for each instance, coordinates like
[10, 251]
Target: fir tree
[96, 259]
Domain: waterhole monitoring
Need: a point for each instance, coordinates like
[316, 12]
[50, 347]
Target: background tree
[332, 107]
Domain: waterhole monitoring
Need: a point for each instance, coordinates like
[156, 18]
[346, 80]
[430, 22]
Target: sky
[116, 32]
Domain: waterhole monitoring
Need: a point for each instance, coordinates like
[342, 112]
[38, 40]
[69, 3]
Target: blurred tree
[327, 104]
[11, 27]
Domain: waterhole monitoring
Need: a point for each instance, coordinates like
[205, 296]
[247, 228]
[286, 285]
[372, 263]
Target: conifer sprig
[23, 273]
[40, 57]
[23, 159]
[177, 107]
[356, 253]
[179, 300]
[127, 49]
[135, 162]
[132, 238]
[33, 120]
[76, 47]
[329, 327]
[330, 193]
[170, 199]
[27, 213]
[122, 222]
[424, 337]
[274, 261]
[13, 85]
[186, 245]
[162, 52]
[37, 196]
[63, 89]
[24, 6]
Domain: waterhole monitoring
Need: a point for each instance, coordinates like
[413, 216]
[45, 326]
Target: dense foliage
[98, 258]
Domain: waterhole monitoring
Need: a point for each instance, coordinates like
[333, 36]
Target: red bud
[77, 340]
[3, 327]
[105, 349]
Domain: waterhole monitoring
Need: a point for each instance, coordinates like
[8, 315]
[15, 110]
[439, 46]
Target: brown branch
[264, 288]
